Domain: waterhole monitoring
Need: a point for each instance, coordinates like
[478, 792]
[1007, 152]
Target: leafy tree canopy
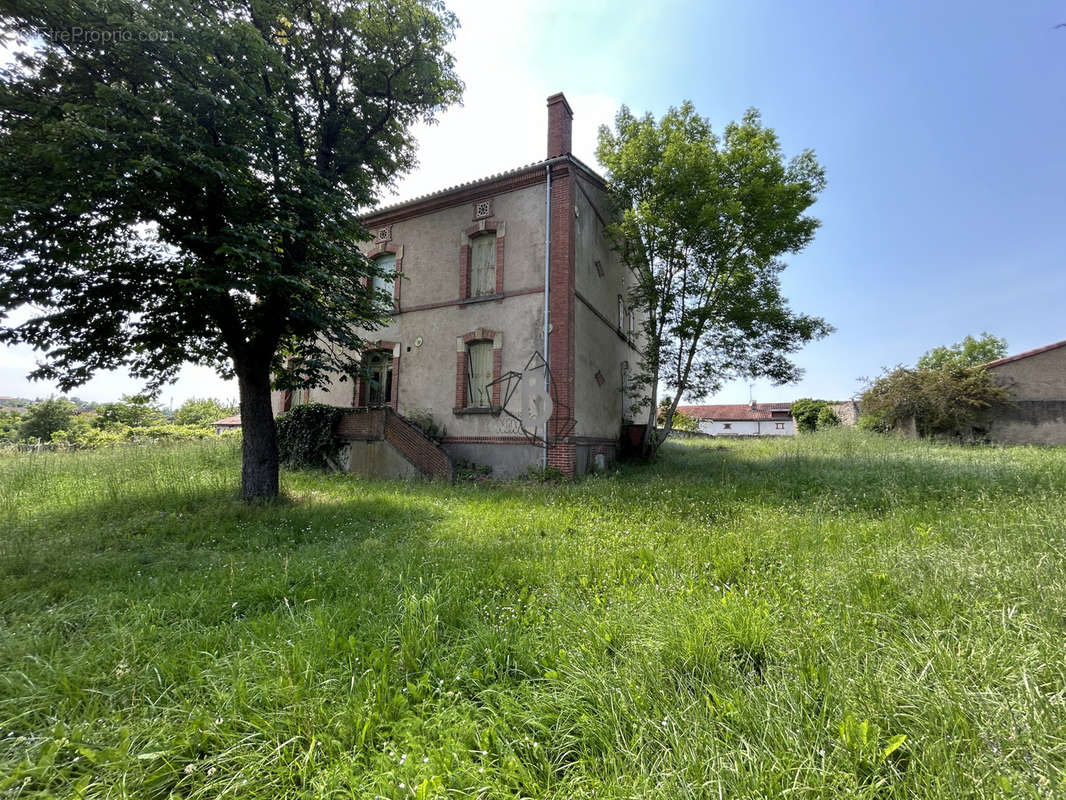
[197, 411]
[944, 394]
[10, 422]
[132, 411]
[702, 222]
[180, 180]
[970, 352]
[44, 419]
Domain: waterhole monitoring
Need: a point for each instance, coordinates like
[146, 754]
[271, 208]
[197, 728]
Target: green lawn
[834, 615]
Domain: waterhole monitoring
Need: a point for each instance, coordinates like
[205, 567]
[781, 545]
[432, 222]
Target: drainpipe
[547, 275]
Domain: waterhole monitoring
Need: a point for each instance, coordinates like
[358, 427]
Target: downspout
[547, 275]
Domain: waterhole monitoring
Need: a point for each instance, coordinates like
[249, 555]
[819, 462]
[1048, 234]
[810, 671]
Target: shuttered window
[479, 374]
[483, 265]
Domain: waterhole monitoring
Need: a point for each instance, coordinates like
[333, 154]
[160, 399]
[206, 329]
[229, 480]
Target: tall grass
[831, 615]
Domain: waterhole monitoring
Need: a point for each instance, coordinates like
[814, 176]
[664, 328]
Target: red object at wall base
[632, 441]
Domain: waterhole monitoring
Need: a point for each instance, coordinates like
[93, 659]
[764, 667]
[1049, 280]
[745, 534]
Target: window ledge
[481, 298]
[462, 411]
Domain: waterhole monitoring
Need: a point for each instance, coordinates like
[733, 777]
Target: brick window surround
[289, 398]
[461, 342]
[359, 390]
[380, 249]
[500, 229]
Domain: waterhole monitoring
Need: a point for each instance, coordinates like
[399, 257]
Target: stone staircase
[382, 443]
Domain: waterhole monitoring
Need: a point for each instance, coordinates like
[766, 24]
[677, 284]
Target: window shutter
[483, 265]
[480, 374]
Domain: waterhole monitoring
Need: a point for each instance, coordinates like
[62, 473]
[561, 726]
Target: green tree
[44, 419]
[970, 352]
[188, 191]
[702, 222]
[131, 411]
[10, 421]
[197, 411]
[945, 393]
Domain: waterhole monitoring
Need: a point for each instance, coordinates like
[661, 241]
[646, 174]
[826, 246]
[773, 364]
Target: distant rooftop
[738, 413]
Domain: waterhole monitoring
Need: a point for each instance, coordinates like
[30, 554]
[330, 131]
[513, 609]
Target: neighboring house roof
[228, 422]
[1000, 362]
[739, 413]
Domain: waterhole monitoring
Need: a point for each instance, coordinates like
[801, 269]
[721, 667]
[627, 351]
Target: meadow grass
[831, 615]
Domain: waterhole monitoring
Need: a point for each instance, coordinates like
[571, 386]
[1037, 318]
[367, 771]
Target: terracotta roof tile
[736, 413]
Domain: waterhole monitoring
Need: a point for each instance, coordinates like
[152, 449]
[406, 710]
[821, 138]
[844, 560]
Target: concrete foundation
[506, 460]
[378, 460]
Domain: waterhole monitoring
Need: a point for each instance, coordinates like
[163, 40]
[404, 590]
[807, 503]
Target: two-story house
[491, 279]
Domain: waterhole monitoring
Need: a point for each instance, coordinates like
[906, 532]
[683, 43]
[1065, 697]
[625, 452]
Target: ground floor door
[378, 378]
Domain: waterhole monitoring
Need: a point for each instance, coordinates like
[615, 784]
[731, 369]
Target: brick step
[384, 424]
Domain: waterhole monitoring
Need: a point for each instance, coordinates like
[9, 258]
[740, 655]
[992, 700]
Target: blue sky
[942, 127]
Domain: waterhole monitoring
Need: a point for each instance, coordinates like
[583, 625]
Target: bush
[196, 411]
[45, 419]
[471, 472]
[812, 415]
[827, 418]
[422, 418]
[940, 400]
[683, 422]
[82, 435]
[134, 412]
[305, 435]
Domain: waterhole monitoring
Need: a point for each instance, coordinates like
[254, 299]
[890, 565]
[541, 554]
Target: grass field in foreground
[831, 615]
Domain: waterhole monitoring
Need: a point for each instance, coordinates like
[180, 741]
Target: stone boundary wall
[847, 412]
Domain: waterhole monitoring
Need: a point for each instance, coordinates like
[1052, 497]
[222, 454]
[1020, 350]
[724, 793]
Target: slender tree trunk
[259, 451]
[650, 445]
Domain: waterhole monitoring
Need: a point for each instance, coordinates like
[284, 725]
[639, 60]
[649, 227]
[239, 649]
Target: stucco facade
[471, 264]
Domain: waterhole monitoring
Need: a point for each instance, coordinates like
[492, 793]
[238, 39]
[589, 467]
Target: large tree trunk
[259, 451]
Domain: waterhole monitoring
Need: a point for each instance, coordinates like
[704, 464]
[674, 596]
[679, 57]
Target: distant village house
[753, 419]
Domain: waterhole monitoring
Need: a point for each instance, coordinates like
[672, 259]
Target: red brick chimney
[560, 121]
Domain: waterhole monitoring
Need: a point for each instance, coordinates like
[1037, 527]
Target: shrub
[941, 400]
[45, 419]
[422, 418]
[196, 411]
[812, 415]
[470, 471]
[135, 412]
[683, 422]
[827, 418]
[305, 435]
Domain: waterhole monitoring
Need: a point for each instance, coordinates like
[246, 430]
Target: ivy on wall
[306, 437]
